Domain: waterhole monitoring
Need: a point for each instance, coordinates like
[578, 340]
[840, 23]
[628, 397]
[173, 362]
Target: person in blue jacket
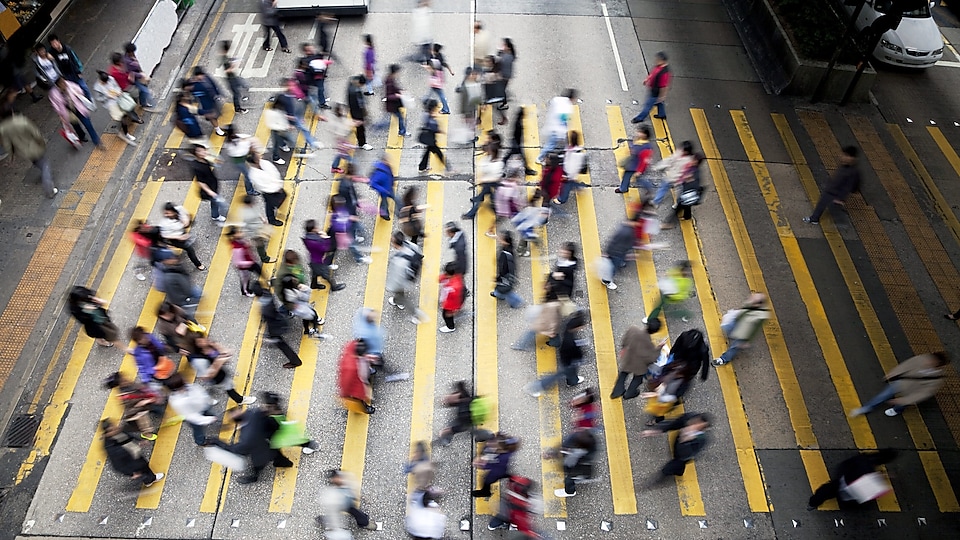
[381, 181]
[186, 119]
[208, 97]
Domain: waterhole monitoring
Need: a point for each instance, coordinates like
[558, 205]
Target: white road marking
[613, 43]
[947, 63]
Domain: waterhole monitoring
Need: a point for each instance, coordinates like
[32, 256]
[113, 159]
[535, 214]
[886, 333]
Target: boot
[634, 389]
[619, 387]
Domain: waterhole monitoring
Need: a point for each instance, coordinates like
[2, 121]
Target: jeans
[287, 351]
[385, 205]
[145, 97]
[361, 131]
[570, 373]
[885, 395]
[554, 141]
[272, 201]
[733, 347]
[822, 204]
[218, 207]
[401, 119]
[85, 121]
[510, 296]
[46, 178]
[82, 84]
[237, 87]
[321, 94]
[280, 139]
[642, 181]
[567, 187]
[444, 107]
[241, 165]
[486, 189]
[200, 432]
[280, 36]
[650, 103]
[662, 192]
[298, 123]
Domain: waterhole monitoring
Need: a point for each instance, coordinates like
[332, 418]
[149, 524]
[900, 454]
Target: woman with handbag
[173, 229]
[506, 272]
[244, 259]
[428, 137]
[411, 214]
[151, 356]
[121, 106]
[74, 110]
[91, 312]
[690, 195]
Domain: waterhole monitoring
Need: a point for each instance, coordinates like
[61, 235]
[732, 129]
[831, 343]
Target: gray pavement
[563, 44]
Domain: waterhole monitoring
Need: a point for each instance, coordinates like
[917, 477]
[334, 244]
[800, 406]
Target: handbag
[655, 407]
[689, 197]
[868, 487]
[427, 137]
[126, 102]
[164, 368]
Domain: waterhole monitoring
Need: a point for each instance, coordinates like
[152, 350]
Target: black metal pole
[851, 29]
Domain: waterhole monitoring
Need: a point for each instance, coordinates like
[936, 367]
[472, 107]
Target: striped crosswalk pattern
[623, 468]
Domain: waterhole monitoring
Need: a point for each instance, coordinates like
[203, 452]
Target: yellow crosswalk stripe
[943, 207]
[930, 459]
[614, 425]
[843, 383]
[485, 331]
[793, 397]
[688, 485]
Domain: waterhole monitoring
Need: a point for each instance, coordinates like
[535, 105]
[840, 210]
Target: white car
[915, 43]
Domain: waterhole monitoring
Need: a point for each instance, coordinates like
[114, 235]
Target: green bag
[290, 433]
[480, 409]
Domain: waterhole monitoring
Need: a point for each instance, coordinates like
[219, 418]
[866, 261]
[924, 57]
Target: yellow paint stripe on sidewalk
[842, 382]
[688, 485]
[933, 467]
[355, 439]
[485, 331]
[790, 386]
[944, 207]
[55, 410]
[215, 492]
[614, 425]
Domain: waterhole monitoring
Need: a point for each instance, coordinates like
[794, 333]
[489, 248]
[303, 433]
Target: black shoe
[660, 117]
[617, 190]
[466, 216]
[369, 409]
[276, 223]
[385, 218]
[284, 464]
[530, 172]
[247, 479]
[338, 287]
[319, 287]
[635, 121]
[291, 365]
[480, 493]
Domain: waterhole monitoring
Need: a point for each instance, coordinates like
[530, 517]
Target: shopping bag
[655, 407]
[224, 457]
[290, 433]
[408, 102]
[71, 137]
[868, 487]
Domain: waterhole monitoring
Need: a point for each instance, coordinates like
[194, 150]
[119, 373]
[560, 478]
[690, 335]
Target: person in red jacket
[354, 376]
[641, 156]
[552, 178]
[451, 296]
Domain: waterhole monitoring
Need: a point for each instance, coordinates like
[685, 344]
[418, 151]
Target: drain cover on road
[21, 431]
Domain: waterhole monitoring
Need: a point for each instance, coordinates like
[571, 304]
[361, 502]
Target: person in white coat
[193, 403]
[339, 497]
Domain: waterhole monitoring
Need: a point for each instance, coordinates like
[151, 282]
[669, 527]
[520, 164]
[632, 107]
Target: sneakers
[610, 285]
[249, 400]
[562, 493]
[284, 148]
[525, 253]
[243, 111]
[310, 448]
[153, 436]
[128, 138]
[580, 380]
[858, 411]
[533, 389]
[219, 131]
[367, 147]
[334, 266]
[446, 329]
[891, 412]
[365, 260]
[219, 219]
[643, 321]
[159, 477]
[811, 221]
[54, 193]
[490, 234]
[141, 277]
[317, 145]
[359, 239]
[338, 287]
[394, 304]
[717, 362]
[416, 320]
[279, 161]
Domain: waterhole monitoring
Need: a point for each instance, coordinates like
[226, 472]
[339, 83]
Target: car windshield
[920, 12]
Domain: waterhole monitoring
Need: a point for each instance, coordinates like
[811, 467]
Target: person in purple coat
[321, 249]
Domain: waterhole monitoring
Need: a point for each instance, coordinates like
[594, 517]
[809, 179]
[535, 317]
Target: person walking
[266, 179]
[193, 403]
[675, 167]
[20, 137]
[293, 292]
[321, 249]
[569, 357]
[357, 103]
[316, 70]
[343, 223]
[508, 201]
[406, 261]
[252, 221]
[465, 419]
[208, 97]
[152, 357]
[495, 460]
[506, 278]
[855, 481]
[124, 455]
[276, 327]
[742, 325]
[482, 44]
[118, 103]
[411, 215]
[421, 33]
[637, 354]
[471, 97]
[458, 243]
[437, 80]
[578, 451]
[353, 377]
[239, 87]
[176, 283]
[506, 57]
[382, 181]
[138, 401]
[174, 229]
[689, 193]
[366, 326]
[490, 171]
[68, 63]
[208, 360]
[244, 260]
[560, 281]
[618, 248]
[74, 110]
[394, 101]
[691, 439]
[658, 83]
[341, 496]
[676, 287]
[186, 119]
[559, 111]
[451, 296]
[271, 22]
[256, 429]
[635, 165]
[91, 313]
[370, 75]
[428, 137]
[288, 102]
[914, 380]
[517, 143]
[137, 77]
[845, 180]
[203, 171]
[45, 66]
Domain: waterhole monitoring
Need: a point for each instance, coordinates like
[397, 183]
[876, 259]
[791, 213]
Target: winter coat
[107, 94]
[92, 316]
[397, 276]
[354, 374]
[691, 354]
[191, 403]
[187, 121]
[381, 179]
[321, 248]
[180, 290]
[268, 13]
[451, 292]
[683, 450]
[124, 454]
[506, 267]
[637, 351]
[146, 357]
[206, 92]
[748, 322]
[508, 199]
[21, 137]
[392, 91]
[844, 181]
[357, 102]
[917, 379]
[563, 287]
[621, 243]
[370, 332]
[459, 246]
[255, 431]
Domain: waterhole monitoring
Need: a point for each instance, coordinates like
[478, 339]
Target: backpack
[480, 408]
[415, 261]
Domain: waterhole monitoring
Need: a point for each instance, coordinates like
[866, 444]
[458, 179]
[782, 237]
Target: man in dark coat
[256, 429]
[691, 439]
[123, 453]
[458, 244]
[357, 103]
[845, 180]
